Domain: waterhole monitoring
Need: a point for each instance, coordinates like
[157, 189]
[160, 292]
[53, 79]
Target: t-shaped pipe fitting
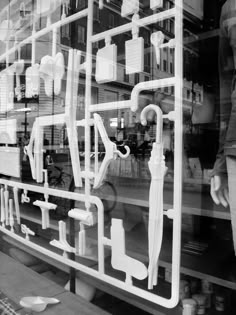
[45, 207]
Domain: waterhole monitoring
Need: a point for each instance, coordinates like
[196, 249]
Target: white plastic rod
[70, 112]
[178, 145]
[54, 42]
[96, 149]
[133, 103]
[6, 199]
[155, 223]
[149, 85]
[88, 100]
[11, 217]
[110, 106]
[45, 172]
[3, 214]
[141, 23]
[33, 48]
[16, 202]
[82, 240]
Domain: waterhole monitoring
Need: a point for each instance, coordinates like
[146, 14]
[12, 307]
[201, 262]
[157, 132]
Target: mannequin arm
[219, 190]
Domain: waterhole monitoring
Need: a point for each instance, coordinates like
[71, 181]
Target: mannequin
[223, 181]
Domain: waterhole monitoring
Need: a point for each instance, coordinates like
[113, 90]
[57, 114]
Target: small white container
[201, 303]
[184, 290]
[189, 307]
[220, 303]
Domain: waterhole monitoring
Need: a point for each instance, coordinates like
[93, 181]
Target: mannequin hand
[220, 190]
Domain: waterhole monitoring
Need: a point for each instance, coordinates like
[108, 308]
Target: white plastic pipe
[167, 14]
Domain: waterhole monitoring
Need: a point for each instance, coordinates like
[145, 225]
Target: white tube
[140, 23]
[3, 215]
[6, 200]
[17, 207]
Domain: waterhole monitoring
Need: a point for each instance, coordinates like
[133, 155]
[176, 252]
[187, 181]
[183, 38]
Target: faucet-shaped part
[27, 231]
[24, 197]
[157, 39]
[45, 207]
[62, 242]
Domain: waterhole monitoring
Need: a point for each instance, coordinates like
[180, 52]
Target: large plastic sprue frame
[92, 118]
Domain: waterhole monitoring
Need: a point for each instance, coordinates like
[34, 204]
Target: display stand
[35, 153]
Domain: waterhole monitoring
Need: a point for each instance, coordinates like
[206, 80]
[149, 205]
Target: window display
[44, 76]
[109, 123]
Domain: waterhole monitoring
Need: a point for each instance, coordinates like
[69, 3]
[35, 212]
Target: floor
[103, 300]
[115, 306]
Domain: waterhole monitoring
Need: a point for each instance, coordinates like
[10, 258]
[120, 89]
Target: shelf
[136, 192]
[141, 303]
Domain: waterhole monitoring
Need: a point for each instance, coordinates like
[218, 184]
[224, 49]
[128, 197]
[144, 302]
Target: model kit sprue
[106, 64]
